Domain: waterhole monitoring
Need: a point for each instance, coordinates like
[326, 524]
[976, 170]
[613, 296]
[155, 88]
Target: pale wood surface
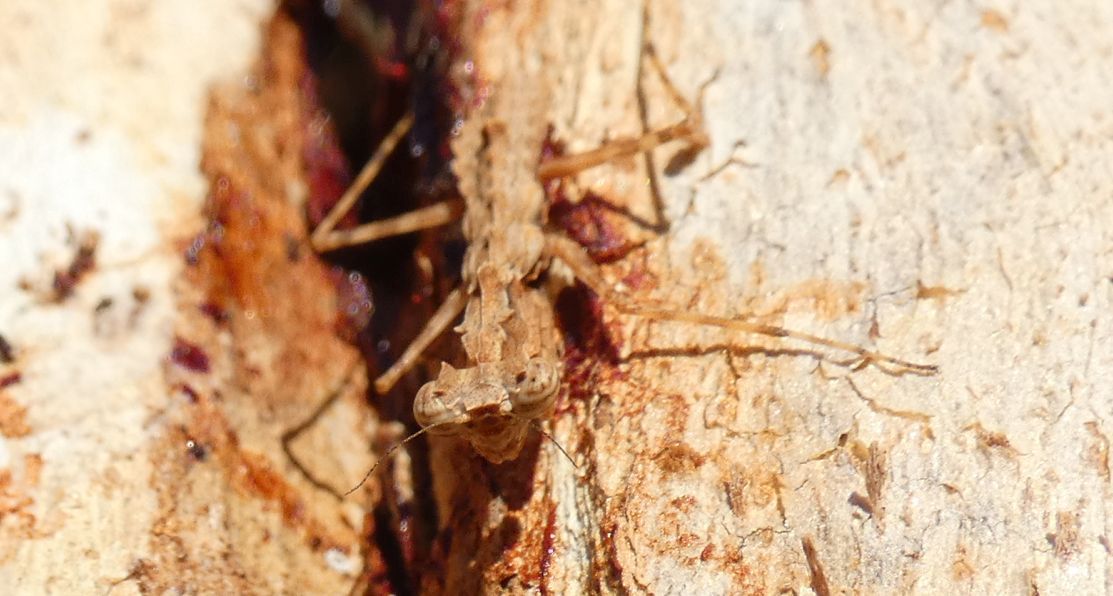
[125, 471]
[926, 179]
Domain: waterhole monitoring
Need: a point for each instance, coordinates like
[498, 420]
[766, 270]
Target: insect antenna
[387, 455]
[538, 428]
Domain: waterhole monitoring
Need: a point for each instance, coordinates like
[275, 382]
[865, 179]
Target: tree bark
[927, 181]
[159, 357]
[911, 178]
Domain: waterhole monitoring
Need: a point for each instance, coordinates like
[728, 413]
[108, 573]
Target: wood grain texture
[153, 398]
[911, 178]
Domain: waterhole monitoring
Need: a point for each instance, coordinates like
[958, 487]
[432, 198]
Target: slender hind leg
[689, 129]
[413, 221]
[566, 165]
[326, 237]
[452, 306]
[588, 272]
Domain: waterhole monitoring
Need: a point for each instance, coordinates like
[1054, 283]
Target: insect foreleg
[587, 271]
[441, 320]
[326, 237]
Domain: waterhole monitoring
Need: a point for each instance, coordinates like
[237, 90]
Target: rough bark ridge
[905, 181]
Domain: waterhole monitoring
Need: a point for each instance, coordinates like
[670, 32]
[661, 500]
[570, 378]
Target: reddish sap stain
[189, 356]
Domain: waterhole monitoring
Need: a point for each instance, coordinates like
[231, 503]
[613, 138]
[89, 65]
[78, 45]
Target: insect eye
[429, 405]
[537, 387]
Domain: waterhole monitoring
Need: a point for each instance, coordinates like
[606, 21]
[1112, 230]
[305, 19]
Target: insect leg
[588, 272]
[326, 237]
[566, 165]
[445, 315]
[366, 175]
[418, 219]
[689, 129]
[693, 111]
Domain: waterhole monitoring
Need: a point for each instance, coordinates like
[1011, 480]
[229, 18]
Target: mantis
[508, 329]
